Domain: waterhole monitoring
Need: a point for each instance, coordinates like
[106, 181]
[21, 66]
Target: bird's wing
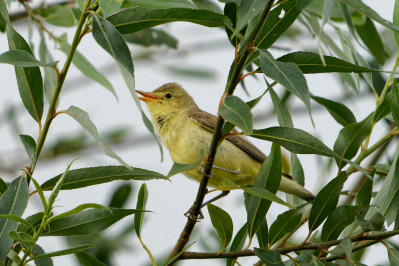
[208, 121]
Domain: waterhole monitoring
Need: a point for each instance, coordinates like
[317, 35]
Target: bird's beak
[148, 97]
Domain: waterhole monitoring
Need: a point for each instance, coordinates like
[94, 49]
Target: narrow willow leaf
[222, 223]
[84, 120]
[21, 58]
[207, 4]
[150, 37]
[38, 251]
[141, 205]
[3, 187]
[109, 6]
[344, 249]
[29, 145]
[113, 43]
[236, 111]
[384, 108]
[62, 252]
[29, 79]
[59, 15]
[85, 259]
[179, 167]
[395, 20]
[310, 63]
[395, 102]
[340, 218]
[13, 202]
[283, 115]
[247, 11]
[14, 257]
[298, 175]
[287, 74]
[50, 76]
[286, 223]
[265, 195]
[363, 197]
[370, 37]
[294, 140]
[18, 219]
[342, 114]
[275, 25]
[121, 195]
[387, 198]
[164, 4]
[101, 174]
[393, 256]
[351, 137]
[35, 220]
[262, 234]
[369, 12]
[22, 237]
[326, 201]
[268, 178]
[135, 19]
[87, 222]
[79, 209]
[269, 257]
[87, 68]
[238, 243]
[3, 23]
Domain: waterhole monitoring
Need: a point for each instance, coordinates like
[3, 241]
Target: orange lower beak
[147, 96]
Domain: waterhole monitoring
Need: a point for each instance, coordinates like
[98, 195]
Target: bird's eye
[168, 95]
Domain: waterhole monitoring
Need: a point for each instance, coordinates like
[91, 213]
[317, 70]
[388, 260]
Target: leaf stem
[232, 82]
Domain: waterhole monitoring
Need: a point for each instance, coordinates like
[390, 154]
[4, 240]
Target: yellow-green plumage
[185, 130]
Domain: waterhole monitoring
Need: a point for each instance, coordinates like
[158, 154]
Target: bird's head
[168, 99]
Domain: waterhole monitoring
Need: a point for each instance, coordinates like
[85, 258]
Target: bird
[186, 130]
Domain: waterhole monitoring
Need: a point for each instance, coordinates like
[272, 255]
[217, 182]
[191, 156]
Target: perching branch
[371, 239]
[232, 83]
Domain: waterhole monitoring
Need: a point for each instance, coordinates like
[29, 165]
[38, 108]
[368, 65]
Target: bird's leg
[201, 170]
[221, 195]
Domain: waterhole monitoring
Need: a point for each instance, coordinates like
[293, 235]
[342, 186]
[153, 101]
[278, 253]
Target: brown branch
[371, 239]
[230, 87]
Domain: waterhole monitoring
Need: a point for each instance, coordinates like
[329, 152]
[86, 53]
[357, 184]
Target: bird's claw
[196, 218]
[201, 170]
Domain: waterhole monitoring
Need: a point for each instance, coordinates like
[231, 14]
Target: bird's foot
[201, 170]
[196, 218]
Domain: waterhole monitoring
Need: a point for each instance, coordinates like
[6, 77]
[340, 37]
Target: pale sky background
[167, 200]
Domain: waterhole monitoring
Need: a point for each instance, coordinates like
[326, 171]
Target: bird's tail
[291, 187]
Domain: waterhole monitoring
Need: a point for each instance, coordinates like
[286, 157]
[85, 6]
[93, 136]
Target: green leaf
[62, 252]
[22, 237]
[275, 25]
[393, 256]
[150, 37]
[344, 249]
[86, 222]
[266, 195]
[102, 174]
[113, 43]
[80, 61]
[17, 219]
[287, 74]
[310, 63]
[135, 19]
[236, 111]
[283, 115]
[262, 234]
[370, 37]
[3, 23]
[351, 137]
[384, 108]
[56, 190]
[79, 209]
[294, 140]
[13, 202]
[326, 201]
[29, 79]
[369, 12]
[59, 15]
[363, 197]
[84, 120]
[21, 58]
[395, 20]
[141, 204]
[85, 259]
[14, 257]
[238, 243]
[269, 257]
[222, 223]
[340, 218]
[121, 195]
[342, 114]
[109, 6]
[162, 4]
[395, 102]
[268, 178]
[247, 11]
[3, 187]
[387, 198]
[179, 167]
[50, 76]
[207, 4]
[285, 224]
[29, 145]
[37, 251]
[35, 220]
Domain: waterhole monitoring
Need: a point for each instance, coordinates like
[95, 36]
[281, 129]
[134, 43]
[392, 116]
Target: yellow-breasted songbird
[185, 130]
